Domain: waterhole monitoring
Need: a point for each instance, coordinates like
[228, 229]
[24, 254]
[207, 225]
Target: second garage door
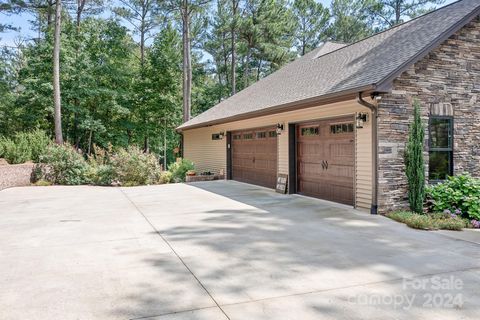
[254, 156]
[325, 159]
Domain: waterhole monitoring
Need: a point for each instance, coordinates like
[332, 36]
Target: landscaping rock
[17, 175]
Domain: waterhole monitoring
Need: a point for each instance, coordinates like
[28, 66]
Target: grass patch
[434, 221]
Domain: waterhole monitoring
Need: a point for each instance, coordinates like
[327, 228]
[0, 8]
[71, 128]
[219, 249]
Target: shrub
[460, 193]
[100, 175]
[430, 221]
[133, 167]
[24, 146]
[179, 169]
[62, 164]
[166, 177]
[414, 163]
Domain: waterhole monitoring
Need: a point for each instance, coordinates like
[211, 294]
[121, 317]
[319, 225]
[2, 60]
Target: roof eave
[296, 105]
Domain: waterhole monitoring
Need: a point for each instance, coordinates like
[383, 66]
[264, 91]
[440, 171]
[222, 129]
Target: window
[272, 134]
[247, 136]
[309, 131]
[237, 136]
[261, 135]
[441, 148]
[341, 128]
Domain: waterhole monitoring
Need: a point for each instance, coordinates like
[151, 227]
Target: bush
[459, 193]
[414, 163]
[24, 146]
[179, 169]
[430, 221]
[62, 164]
[133, 167]
[166, 177]
[100, 175]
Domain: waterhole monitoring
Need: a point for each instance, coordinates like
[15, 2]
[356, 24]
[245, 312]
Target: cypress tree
[414, 162]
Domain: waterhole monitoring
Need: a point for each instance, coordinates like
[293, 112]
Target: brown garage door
[254, 156]
[325, 159]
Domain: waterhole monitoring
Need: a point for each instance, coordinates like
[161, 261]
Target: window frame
[437, 149]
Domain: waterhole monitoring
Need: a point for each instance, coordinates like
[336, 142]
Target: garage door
[254, 156]
[325, 159]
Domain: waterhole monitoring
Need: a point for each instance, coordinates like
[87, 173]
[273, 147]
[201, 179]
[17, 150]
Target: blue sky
[22, 22]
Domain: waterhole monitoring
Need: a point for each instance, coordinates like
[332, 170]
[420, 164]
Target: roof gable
[370, 63]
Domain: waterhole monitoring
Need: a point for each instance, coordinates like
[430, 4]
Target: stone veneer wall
[446, 82]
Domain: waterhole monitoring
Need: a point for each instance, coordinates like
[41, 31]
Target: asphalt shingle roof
[344, 68]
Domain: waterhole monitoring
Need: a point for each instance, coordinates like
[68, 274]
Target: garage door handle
[253, 159]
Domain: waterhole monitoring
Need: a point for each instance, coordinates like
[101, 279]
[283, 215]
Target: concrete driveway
[221, 250]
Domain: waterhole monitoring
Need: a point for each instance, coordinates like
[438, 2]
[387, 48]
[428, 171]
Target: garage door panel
[254, 156]
[325, 159]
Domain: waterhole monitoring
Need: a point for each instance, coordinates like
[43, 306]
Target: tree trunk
[247, 67]
[56, 74]
[234, 49]
[187, 63]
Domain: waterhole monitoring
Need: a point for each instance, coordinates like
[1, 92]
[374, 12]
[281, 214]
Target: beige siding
[210, 155]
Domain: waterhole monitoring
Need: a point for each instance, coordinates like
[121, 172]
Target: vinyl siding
[211, 155]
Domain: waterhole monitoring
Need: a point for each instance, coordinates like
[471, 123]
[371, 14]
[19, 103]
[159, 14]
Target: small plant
[24, 146]
[180, 168]
[166, 177]
[414, 162]
[62, 164]
[446, 221]
[459, 194]
[133, 167]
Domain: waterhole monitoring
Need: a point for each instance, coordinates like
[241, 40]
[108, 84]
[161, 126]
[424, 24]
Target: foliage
[353, 20]
[62, 164]
[393, 12]
[312, 22]
[179, 169]
[166, 177]
[133, 167]
[459, 193]
[24, 146]
[414, 162]
[429, 221]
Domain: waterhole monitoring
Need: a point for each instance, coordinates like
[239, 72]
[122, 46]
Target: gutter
[374, 110]
[291, 106]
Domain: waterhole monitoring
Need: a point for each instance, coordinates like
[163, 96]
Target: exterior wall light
[279, 128]
[221, 135]
[361, 119]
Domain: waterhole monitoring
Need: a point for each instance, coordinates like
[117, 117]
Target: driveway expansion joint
[174, 252]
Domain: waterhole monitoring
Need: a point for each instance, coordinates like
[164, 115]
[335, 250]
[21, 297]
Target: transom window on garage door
[310, 131]
[441, 148]
[338, 128]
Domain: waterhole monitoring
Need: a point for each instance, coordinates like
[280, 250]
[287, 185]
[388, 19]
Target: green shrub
[179, 169]
[133, 167]
[100, 175]
[24, 146]
[166, 177]
[62, 164]
[430, 221]
[459, 193]
[414, 163]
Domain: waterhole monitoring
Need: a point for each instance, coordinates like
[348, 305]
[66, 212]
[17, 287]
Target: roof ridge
[391, 28]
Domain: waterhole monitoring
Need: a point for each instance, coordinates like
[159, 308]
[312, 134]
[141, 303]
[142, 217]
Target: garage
[325, 159]
[254, 156]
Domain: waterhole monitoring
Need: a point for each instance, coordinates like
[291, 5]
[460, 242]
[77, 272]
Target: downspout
[374, 110]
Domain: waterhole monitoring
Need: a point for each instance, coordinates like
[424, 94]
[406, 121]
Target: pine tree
[414, 162]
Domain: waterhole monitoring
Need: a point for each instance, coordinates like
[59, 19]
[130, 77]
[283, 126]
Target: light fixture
[279, 128]
[361, 119]
[221, 135]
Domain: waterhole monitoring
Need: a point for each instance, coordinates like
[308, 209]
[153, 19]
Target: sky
[22, 22]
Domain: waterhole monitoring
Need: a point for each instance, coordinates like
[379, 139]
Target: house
[336, 120]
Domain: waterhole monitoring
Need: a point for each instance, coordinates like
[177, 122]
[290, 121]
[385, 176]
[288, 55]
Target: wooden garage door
[325, 159]
[254, 156]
